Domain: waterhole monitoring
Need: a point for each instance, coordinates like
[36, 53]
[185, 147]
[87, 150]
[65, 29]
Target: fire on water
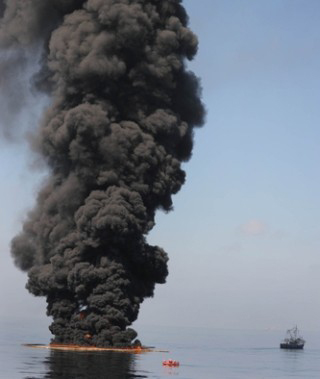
[134, 350]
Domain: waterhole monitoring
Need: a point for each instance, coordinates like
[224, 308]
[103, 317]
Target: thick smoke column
[120, 124]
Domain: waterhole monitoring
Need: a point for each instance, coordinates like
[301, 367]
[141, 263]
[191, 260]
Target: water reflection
[292, 358]
[88, 365]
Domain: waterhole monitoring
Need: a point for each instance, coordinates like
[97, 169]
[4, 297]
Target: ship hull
[291, 346]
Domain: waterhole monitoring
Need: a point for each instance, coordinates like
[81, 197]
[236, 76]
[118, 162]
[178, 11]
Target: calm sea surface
[203, 353]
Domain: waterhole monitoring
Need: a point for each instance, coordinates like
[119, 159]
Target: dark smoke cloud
[2, 8]
[121, 122]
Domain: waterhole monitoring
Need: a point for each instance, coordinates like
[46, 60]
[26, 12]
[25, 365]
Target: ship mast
[293, 333]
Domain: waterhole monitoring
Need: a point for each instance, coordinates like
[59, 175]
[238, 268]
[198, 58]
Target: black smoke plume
[121, 121]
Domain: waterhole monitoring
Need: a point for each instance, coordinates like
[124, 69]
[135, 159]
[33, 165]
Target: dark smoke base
[123, 112]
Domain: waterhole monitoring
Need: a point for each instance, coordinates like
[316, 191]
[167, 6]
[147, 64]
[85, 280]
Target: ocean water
[203, 354]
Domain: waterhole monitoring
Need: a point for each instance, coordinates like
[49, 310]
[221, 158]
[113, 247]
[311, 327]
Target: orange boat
[170, 363]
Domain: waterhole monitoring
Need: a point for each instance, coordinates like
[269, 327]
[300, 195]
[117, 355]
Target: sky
[244, 237]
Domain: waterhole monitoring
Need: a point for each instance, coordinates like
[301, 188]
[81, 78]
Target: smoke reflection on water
[97, 365]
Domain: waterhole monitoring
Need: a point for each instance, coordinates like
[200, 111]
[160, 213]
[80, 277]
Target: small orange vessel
[170, 363]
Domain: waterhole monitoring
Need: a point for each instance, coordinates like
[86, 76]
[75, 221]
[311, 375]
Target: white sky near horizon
[244, 236]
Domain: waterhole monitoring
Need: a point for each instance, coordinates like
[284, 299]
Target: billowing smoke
[120, 123]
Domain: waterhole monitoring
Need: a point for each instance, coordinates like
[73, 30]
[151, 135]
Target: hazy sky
[244, 237]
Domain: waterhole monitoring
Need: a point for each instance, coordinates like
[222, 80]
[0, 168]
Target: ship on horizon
[293, 340]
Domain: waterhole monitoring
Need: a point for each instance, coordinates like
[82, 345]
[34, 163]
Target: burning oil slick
[120, 123]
